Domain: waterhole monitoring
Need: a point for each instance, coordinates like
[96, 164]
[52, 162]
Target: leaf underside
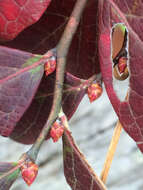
[39, 38]
[130, 112]
[91, 45]
[78, 173]
[18, 85]
[29, 127]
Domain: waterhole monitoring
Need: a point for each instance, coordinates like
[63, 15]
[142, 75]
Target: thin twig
[111, 151]
[84, 84]
[62, 51]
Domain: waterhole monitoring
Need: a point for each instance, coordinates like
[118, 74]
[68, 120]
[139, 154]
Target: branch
[111, 151]
[62, 51]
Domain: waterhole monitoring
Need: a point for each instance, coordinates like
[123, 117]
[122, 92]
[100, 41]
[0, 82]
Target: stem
[62, 51]
[84, 84]
[111, 151]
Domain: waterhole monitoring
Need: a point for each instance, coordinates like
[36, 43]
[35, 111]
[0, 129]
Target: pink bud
[94, 91]
[56, 131]
[50, 66]
[122, 64]
[29, 172]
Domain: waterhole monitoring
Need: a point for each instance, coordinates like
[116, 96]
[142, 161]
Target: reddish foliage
[46, 33]
[83, 61]
[30, 125]
[78, 173]
[91, 45]
[130, 111]
[16, 15]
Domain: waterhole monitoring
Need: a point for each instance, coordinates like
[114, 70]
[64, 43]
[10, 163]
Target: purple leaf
[78, 173]
[20, 75]
[82, 61]
[30, 125]
[130, 112]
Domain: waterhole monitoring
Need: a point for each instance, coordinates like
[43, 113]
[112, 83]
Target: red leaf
[46, 33]
[130, 112]
[78, 173]
[20, 75]
[16, 15]
[30, 125]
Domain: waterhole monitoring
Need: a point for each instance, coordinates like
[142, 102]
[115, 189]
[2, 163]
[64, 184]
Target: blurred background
[92, 128]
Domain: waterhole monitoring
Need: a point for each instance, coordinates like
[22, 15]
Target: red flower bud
[29, 172]
[50, 66]
[122, 65]
[94, 91]
[56, 131]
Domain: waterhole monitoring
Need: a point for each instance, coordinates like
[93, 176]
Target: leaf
[130, 112]
[20, 75]
[82, 61]
[78, 173]
[46, 33]
[16, 15]
[8, 174]
[30, 125]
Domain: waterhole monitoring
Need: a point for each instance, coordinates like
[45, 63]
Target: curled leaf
[119, 51]
[130, 111]
[30, 125]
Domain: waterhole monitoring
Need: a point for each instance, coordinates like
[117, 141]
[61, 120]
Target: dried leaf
[130, 112]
